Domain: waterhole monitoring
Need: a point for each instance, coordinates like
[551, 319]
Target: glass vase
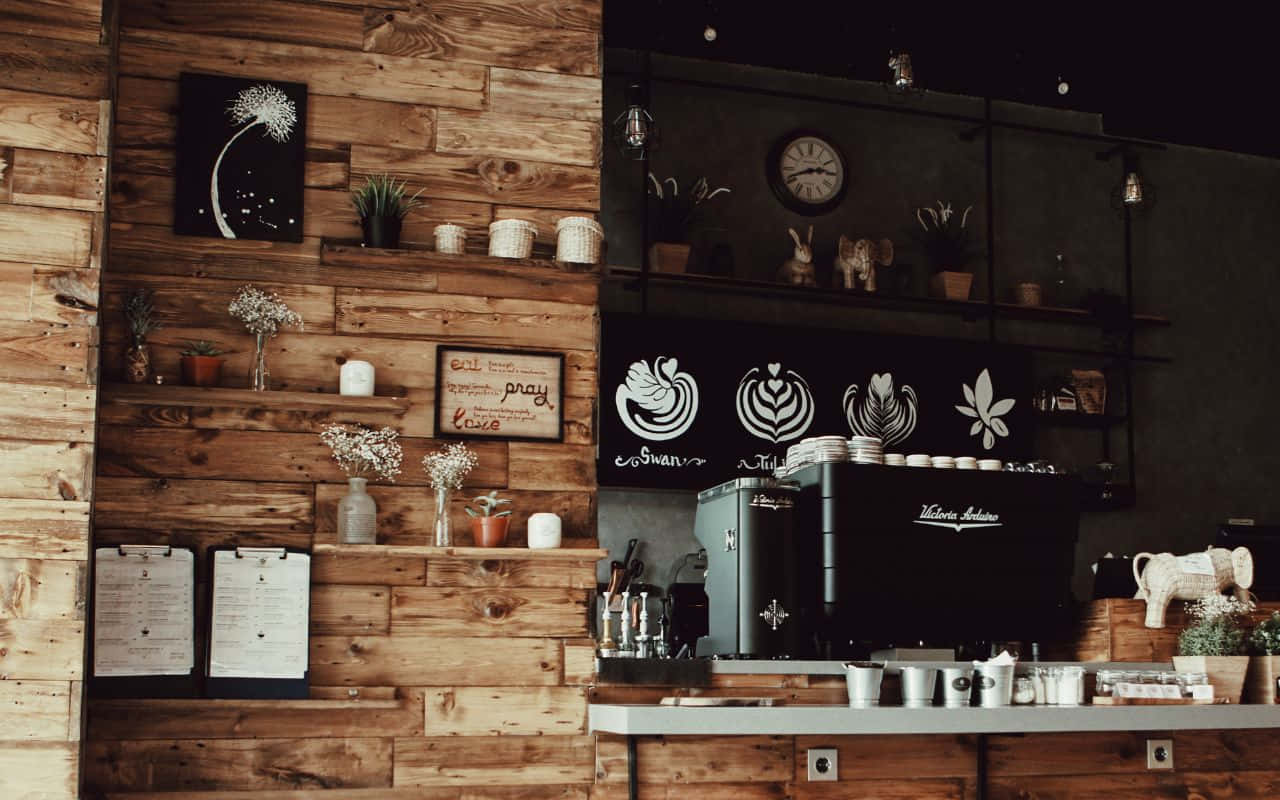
[443, 530]
[357, 515]
[259, 377]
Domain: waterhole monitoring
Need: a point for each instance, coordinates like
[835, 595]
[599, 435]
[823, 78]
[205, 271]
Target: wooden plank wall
[55, 111]
[432, 677]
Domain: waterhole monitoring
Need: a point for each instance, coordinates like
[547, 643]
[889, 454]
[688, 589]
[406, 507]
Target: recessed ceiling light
[709, 34]
[1063, 86]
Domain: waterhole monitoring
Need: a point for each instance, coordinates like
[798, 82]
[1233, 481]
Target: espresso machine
[843, 557]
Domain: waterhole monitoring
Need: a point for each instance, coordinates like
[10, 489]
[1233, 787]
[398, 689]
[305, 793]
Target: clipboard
[257, 637]
[144, 587]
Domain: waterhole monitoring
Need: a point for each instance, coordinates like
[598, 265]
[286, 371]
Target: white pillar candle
[356, 378]
[544, 531]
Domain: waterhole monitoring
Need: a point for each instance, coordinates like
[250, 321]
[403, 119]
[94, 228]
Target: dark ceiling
[1152, 75]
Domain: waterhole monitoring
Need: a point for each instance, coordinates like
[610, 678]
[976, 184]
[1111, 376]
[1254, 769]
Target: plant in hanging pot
[1214, 643]
[488, 525]
[263, 313]
[382, 206]
[139, 311]
[671, 216]
[201, 365]
[447, 468]
[1264, 661]
[946, 240]
[362, 452]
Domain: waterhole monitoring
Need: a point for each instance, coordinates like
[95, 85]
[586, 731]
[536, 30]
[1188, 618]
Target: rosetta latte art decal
[879, 411]
[776, 406]
[657, 403]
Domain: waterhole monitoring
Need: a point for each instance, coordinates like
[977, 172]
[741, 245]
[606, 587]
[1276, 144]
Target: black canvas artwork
[687, 404]
[241, 148]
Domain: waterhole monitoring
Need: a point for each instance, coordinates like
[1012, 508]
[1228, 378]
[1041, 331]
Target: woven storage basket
[511, 238]
[451, 239]
[578, 240]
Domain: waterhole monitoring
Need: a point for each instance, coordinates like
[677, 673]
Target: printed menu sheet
[143, 618]
[258, 619]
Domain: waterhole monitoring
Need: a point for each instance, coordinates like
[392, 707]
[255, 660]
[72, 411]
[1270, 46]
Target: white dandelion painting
[240, 158]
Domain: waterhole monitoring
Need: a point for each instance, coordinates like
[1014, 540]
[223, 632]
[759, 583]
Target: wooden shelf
[1077, 316]
[145, 394]
[1077, 419]
[337, 252]
[466, 553]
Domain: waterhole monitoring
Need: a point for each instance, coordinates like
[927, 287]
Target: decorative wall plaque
[499, 394]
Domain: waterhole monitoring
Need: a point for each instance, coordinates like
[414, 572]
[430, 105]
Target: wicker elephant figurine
[1190, 577]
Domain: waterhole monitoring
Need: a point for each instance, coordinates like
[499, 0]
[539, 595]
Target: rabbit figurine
[798, 270]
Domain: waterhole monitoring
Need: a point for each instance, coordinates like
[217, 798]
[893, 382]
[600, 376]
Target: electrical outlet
[1159, 754]
[823, 765]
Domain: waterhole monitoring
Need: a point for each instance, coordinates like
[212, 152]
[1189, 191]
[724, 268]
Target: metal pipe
[633, 780]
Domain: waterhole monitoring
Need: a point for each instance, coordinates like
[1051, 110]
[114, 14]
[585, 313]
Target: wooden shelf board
[1077, 419]
[1070, 315]
[349, 253]
[144, 394]
[466, 553]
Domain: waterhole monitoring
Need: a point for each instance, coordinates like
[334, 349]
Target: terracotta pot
[381, 231]
[1260, 686]
[1226, 673]
[201, 370]
[668, 257]
[490, 531]
[951, 285]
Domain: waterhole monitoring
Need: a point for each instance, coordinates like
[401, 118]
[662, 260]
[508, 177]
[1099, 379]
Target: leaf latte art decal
[657, 403]
[879, 412]
[776, 406]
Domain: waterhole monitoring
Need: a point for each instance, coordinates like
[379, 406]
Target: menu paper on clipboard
[259, 614]
[143, 614]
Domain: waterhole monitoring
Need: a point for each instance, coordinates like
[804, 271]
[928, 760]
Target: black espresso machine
[839, 556]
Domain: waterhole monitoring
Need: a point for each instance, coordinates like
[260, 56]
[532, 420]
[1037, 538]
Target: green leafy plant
[945, 236]
[201, 348]
[488, 504]
[1216, 629]
[1265, 639]
[671, 213]
[384, 196]
[139, 310]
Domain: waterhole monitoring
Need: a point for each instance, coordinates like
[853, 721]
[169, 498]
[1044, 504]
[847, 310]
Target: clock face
[808, 173]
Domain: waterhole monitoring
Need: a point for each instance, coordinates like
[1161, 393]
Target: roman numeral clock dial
[807, 172]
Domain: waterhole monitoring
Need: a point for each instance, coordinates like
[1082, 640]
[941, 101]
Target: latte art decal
[776, 406]
[657, 403]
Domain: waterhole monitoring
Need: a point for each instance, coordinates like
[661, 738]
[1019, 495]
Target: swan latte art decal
[879, 411]
[776, 406]
[659, 402]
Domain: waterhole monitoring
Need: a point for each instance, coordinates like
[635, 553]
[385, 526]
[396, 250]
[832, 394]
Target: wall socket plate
[823, 764]
[1159, 754]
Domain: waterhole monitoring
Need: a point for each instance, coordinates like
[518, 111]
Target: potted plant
[201, 365]
[671, 215]
[947, 242]
[361, 452]
[139, 311]
[488, 525]
[1214, 643]
[1264, 663]
[382, 206]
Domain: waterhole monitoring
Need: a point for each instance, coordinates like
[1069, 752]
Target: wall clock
[808, 172]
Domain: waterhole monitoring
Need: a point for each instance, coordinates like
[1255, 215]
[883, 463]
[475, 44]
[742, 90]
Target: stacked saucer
[919, 460]
[798, 455]
[943, 462]
[865, 450]
[895, 460]
[829, 449]
[966, 462]
[990, 465]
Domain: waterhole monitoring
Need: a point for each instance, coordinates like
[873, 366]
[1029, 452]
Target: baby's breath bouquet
[362, 452]
[1217, 628]
[262, 313]
[446, 468]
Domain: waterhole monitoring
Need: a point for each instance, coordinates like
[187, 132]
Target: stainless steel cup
[995, 684]
[957, 686]
[917, 686]
[863, 679]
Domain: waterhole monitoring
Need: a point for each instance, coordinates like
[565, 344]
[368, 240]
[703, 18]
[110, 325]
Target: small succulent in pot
[488, 525]
[945, 237]
[1265, 639]
[201, 364]
[672, 214]
[139, 312]
[382, 206]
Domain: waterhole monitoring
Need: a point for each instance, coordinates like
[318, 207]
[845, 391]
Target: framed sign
[499, 394]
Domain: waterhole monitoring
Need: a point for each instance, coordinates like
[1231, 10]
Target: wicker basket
[1029, 294]
[511, 238]
[578, 240]
[451, 239]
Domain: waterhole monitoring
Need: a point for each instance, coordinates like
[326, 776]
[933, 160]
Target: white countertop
[789, 667]
[648, 720]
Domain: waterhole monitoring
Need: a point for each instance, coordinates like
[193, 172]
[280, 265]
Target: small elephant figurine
[798, 270]
[856, 261]
[1190, 577]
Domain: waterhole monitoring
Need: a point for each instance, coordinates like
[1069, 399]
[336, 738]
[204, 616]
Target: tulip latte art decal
[775, 406]
[659, 402]
[880, 412]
